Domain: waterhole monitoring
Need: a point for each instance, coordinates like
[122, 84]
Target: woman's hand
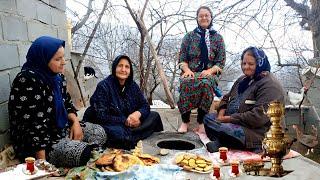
[221, 113]
[224, 119]
[206, 73]
[188, 73]
[133, 119]
[41, 154]
[75, 130]
[215, 70]
[221, 116]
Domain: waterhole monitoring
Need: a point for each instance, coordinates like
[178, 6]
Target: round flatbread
[124, 161]
[105, 159]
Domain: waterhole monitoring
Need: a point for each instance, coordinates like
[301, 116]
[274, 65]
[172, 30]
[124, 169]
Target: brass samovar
[276, 143]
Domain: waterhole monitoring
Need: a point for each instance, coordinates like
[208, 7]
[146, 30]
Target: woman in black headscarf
[43, 121]
[240, 122]
[202, 58]
[119, 106]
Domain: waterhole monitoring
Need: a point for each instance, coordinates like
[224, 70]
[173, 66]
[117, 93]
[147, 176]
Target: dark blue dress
[111, 104]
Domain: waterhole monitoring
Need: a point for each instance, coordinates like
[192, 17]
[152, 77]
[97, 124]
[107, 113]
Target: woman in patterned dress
[119, 106]
[202, 57]
[241, 122]
[43, 121]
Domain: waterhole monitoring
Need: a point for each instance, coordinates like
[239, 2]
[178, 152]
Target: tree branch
[303, 10]
[90, 38]
[84, 19]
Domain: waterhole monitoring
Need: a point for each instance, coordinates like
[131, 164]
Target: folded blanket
[155, 172]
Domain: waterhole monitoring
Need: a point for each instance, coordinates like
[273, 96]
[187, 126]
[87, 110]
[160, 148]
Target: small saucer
[27, 172]
[231, 175]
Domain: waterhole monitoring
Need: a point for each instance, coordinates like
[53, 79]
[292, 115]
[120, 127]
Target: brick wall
[21, 22]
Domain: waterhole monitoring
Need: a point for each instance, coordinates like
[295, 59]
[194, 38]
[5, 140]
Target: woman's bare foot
[183, 128]
[200, 129]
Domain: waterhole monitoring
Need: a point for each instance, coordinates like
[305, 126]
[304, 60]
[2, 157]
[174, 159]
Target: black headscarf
[125, 105]
[116, 62]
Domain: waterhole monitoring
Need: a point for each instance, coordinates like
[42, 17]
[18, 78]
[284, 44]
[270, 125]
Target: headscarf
[38, 58]
[114, 67]
[204, 40]
[125, 105]
[207, 8]
[262, 64]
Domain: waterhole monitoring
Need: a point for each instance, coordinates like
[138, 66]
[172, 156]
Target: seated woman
[119, 106]
[241, 122]
[202, 57]
[43, 121]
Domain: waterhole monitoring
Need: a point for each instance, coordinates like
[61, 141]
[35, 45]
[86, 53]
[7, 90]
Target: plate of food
[193, 162]
[118, 161]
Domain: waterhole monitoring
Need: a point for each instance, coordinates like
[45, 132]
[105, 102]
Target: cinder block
[43, 12]
[9, 56]
[1, 34]
[58, 17]
[27, 8]
[8, 6]
[62, 34]
[12, 74]
[60, 4]
[14, 28]
[4, 117]
[23, 50]
[5, 86]
[36, 29]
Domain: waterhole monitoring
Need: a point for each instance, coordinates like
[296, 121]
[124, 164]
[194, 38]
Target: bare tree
[310, 20]
[91, 37]
[251, 22]
[138, 18]
[84, 18]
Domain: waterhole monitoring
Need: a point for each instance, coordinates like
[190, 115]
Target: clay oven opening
[175, 144]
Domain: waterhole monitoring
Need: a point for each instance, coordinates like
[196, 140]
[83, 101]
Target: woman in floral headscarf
[240, 122]
[202, 58]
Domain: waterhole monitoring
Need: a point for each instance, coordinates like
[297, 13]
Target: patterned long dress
[33, 126]
[198, 92]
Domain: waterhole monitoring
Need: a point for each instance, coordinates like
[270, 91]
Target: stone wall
[21, 22]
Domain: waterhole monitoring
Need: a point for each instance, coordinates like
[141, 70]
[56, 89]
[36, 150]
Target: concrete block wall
[21, 22]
